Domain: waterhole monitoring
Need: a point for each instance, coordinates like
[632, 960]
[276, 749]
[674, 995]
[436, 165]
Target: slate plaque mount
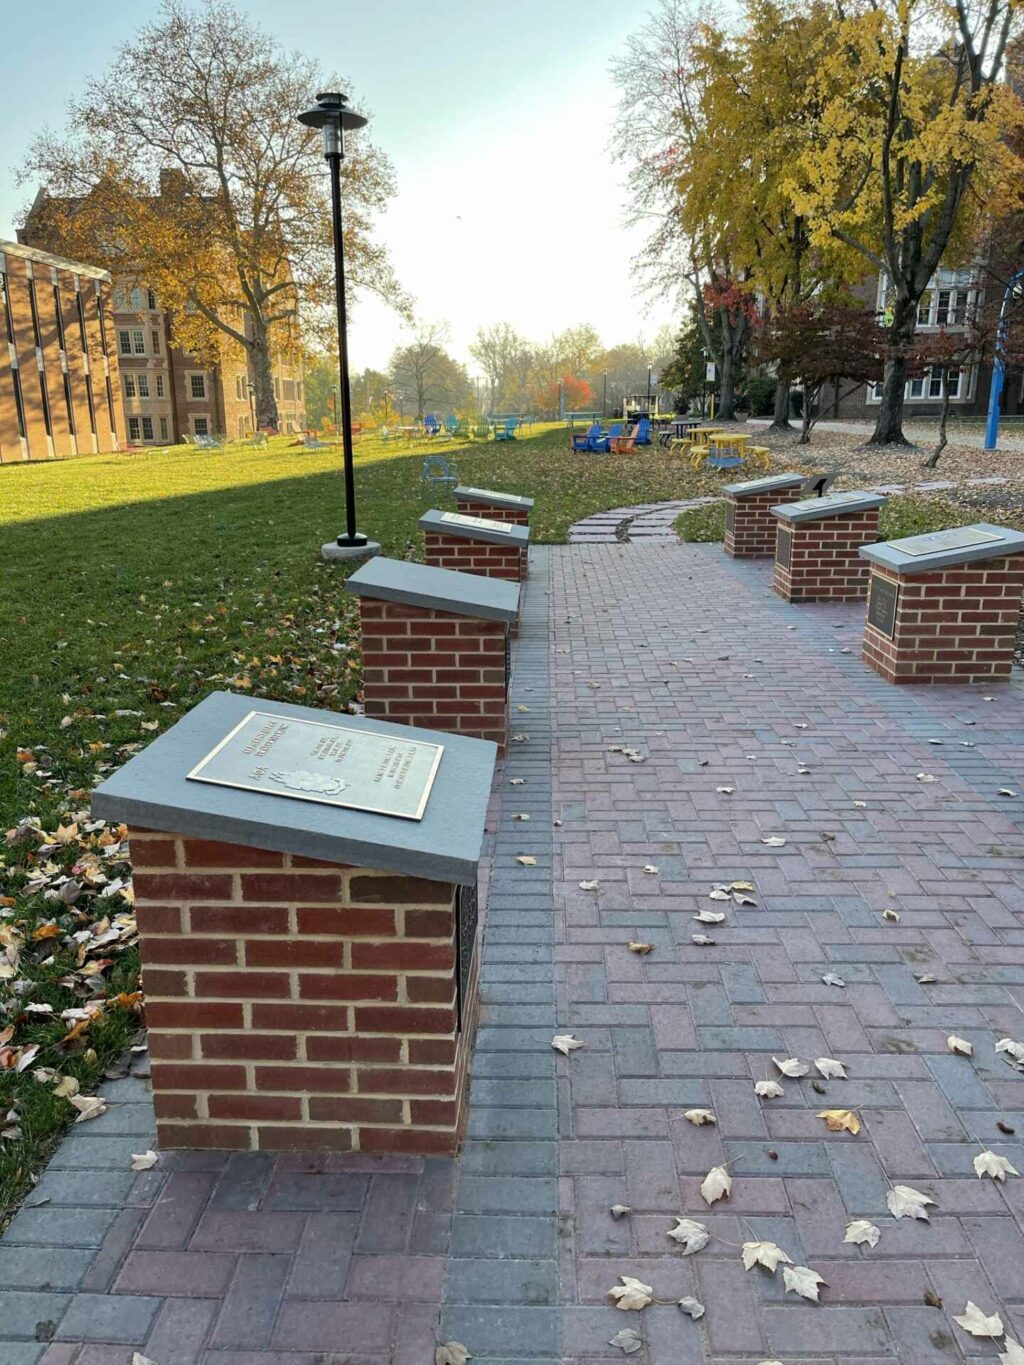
[334, 765]
[883, 599]
[478, 523]
[957, 538]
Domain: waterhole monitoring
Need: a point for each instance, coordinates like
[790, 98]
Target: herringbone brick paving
[690, 659]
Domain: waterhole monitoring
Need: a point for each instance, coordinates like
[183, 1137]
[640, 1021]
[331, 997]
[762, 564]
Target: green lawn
[132, 585]
[900, 516]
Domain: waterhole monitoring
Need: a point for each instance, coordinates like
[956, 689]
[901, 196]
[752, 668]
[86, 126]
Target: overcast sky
[497, 117]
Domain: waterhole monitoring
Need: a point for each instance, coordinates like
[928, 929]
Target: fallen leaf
[1006, 1128]
[521, 815]
[143, 1161]
[66, 1087]
[618, 1211]
[830, 979]
[716, 1184]
[891, 915]
[88, 1106]
[973, 1320]
[651, 869]
[702, 940]
[741, 898]
[631, 1294]
[791, 1066]
[720, 893]
[627, 1341]
[691, 1235]
[1006, 791]
[932, 1299]
[1015, 1050]
[800, 1279]
[768, 1090]
[830, 1068]
[774, 841]
[989, 1163]
[926, 777]
[565, 1043]
[139, 1359]
[860, 1230]
[710, 916]
[641, 948]
[926, 979]
[589, 886]
[526, 860]
[691, 1306]
[1014, 1353]
[960, 1045]
[450, 1353]
[698, 1117]
[840, 1120]
[906, 1202]
[516, 781]
[763, 1253]
[725, 791]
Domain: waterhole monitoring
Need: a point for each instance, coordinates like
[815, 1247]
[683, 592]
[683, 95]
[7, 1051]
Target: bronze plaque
[784, 547]
[883, 598]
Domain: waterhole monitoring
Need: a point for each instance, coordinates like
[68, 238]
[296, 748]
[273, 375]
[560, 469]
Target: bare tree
[425, 375]
[504, 356]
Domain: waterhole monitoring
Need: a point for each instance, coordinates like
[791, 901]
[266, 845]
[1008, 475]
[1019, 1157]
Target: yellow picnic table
[728, 441]
[700, 436]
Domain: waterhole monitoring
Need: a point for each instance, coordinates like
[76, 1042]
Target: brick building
[59, 374]
[166, 392]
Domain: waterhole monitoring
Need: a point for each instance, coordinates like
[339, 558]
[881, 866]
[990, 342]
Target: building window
[133, 428]
[163, 428]
[240, 387]
[156, 342]
[124, 343]
[129, 386]
[6, 296]
[298, 389]
[277, 389]
[19, 405]
[143, 385]
[80, 309]
[201, 426]
[147, 428]
[35, 313]
[197, 386]
[289, 390]
[43, 398]
[151, 299]
[159, 386]
[915, 389]
[139, 341]
[58, 318]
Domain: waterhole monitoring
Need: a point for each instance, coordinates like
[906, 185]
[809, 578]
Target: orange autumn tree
[579, 396]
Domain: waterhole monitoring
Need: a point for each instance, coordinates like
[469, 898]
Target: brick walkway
[689, 659]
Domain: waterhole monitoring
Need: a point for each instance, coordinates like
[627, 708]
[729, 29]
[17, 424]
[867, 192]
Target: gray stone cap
[766, 485]
[939, 549]
[480, 528]
[152, 791]
[420, 585]
[489, 495]
[831, 505]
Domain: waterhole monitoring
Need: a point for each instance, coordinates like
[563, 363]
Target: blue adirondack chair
[643, 435]
[508, 432]
[584, 440]
[431, 425]
[451, 424]
[439, 472]
[604, 443]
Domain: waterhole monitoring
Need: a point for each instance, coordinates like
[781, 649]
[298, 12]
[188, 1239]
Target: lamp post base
[343, 548]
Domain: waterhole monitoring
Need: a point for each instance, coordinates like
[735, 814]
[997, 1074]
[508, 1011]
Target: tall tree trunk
[889, 423]
[780, 416]
[727, 385]
[932, 461]
[262, 377]
[805, 423]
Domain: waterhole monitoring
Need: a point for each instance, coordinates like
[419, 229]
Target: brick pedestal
[435, 647]
[491, 548]
[818, 542]
[485, 502]
[749, 524]
[310, 969]
[936, 618]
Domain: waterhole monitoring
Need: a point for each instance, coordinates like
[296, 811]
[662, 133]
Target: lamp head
[334, 118]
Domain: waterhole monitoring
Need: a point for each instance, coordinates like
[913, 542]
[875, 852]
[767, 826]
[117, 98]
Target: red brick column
[474, 556]
[435, 669]
[749, 525]
[824, 563]
[294, 1003]
[954, 625]
[518, 516]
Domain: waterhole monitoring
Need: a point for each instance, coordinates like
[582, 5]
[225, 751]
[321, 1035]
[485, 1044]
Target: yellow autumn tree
[909, 155]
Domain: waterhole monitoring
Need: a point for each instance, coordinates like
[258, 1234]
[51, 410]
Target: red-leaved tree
[579, 396]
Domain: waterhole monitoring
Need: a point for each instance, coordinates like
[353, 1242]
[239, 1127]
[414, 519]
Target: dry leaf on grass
[973, 1320]
[691, 1235]
[791, 1066]
[691, 1306]
[631, 1293]
[906, 1202]
[143, 1161]
[768, 1090]
[800, 1279]
[450, 1353]
[565, 1043]
[627, 1341]
[960, 1045]
[989, 1163]
[698, 1117]
[766, 1254]
[860, 1230]
[716, 1184]
[831, 1069]
[840, 1120]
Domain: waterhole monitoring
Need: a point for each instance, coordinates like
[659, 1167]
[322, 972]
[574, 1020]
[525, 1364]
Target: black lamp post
[604, 396]
[648, 390]
[333, 117]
